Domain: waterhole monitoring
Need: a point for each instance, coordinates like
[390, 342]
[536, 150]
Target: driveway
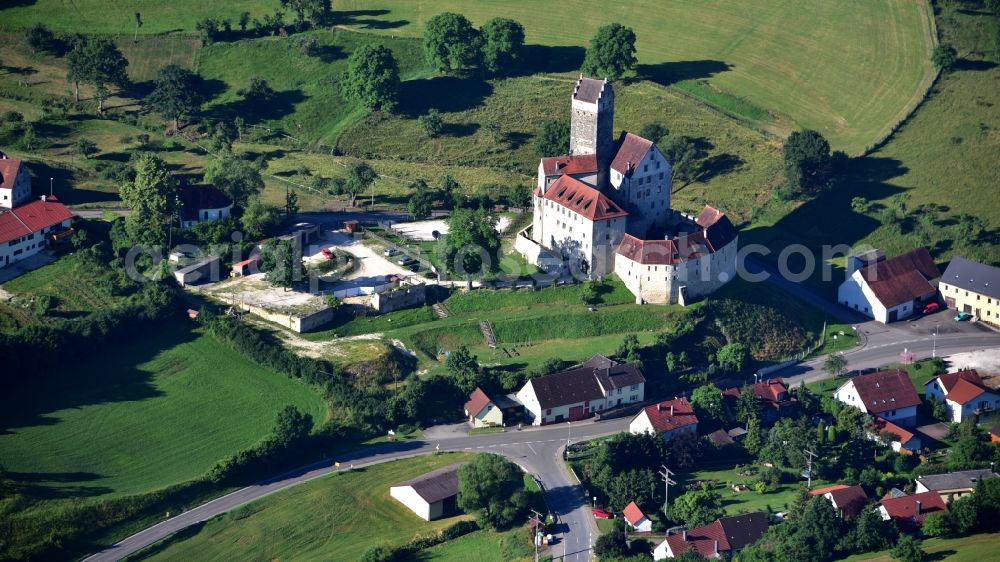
[373, 268]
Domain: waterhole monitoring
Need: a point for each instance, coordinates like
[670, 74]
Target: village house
[483, 411]
[725, 536]
[964, 394]
[15, 182]
[30, 228]
[667, 419]
[909, 512]
[772, 396]
[597, 385]
[969, 286]
[889, 290]
[637, 519]
[605, 207]
[431, 496]
[887, 394]
[202, 203]
[952, 485]
[899, 439]
[848, 501]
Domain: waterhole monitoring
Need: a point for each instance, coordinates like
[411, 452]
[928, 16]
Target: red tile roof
[716, 234]
[631, 150]
[570, 164]
[583, 199]
[477, 401]
[850, 500]
[825, 489]
[726, 533]
[903, 278]
[963, 386]
[886, 390]
[588, 89]
[904, 508]
[633, 514]
[195, 198]
[8, 172]
[671, 414]
[948, 380]
[32, 217]
[882, 425]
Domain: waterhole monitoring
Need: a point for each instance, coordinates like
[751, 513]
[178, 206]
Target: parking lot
[424, 230]
[373, 268]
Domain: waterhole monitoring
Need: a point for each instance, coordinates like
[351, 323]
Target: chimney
[659, 407]
[716, 551]
[684, 535]
[919, 506]
[671, 410]
[43, 197]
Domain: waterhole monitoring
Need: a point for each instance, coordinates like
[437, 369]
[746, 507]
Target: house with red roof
[898, 438]
[909, 512]
[15, 182]
[848, 501]
[887, 394]
[772, 396]
[668, 419]
[890, 290]
[636, 519]
[28, 229]
[202, 203]
[963, 393]
[721, 538]
[605, 207]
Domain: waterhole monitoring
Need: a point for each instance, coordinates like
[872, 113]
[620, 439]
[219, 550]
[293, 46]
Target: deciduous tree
[493, 488]
[372, 77]
[611, 52]
[554, 139]
[176, 93]
[451, 42]
[98, 62]
[151, 199]
[944, 56]
[707, 400]
[237, 178]
[503, 41]
[808, 164]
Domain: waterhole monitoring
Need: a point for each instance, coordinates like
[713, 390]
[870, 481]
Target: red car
[327, 253]
[601, 514]
[932, 307]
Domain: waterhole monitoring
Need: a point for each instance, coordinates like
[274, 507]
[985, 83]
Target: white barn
[890, 290]
[431, 496]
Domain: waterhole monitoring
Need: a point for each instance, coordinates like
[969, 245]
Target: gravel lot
[423, 230]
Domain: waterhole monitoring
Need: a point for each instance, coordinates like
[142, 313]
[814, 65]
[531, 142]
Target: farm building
[204, 270]
[481, 410]
[889, 290]
[431, 496]
[636, 518]
[597, 385]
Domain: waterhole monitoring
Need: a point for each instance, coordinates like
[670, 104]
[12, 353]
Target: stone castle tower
[592, 124]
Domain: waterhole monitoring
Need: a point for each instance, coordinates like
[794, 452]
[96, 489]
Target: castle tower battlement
[593, 121]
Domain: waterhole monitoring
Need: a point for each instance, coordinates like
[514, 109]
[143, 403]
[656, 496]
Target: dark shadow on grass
[973, 65]
[940, 555]
[63, 181]
[51, 485]
[257, 110]
[212, 88]
[444, 93]
[667, 73]
[459, 129]
[719, 165]
[545, 58]
[330, 53]
[367, 19]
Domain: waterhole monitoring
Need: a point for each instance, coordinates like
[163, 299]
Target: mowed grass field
[850, 69]
[153, 413]
[336, 517]
[974, 548]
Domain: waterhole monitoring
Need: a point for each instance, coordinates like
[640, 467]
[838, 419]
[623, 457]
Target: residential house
[723, 537]
[598, 385]
[27, 229]
[484, 411]
[15, 183]
[963, 393]
[848, 501]
[909, 512]
[888, 394]
[668, 419]
[969, 286]
[772, 396]
[637, 519]
[893, 289]
[953, 485]
[900, 439]
[202, 203]
[431, 496]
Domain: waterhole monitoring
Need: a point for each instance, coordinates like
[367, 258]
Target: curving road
[537, 450]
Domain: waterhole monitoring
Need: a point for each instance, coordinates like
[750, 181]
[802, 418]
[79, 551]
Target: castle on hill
[605, 207]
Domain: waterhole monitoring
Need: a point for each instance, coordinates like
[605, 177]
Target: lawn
[744, 502]
[849, 69]
[68, 281]
[157, 412]
[481, 546]
[333, 518]
[974, 548]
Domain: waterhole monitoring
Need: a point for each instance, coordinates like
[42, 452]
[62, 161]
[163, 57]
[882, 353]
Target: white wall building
[15, 183]
[963, 393]
[24, 228]
[431, 496]
[202, 203]
[893, 289]
[597, 385]
[667, 419]
[887, 394]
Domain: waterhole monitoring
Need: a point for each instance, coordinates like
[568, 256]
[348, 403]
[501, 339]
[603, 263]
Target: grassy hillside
[332, 518]
[849, 69]
[973, 548]
[157, 412]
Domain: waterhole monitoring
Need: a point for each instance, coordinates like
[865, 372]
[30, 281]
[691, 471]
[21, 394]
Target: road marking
[533, 451]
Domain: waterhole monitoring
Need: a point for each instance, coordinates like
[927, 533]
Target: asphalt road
[537, 450]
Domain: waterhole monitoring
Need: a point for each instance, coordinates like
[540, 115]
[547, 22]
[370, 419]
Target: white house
[848, 501]
[202, 203]
[597, 385]
[637, 519]
[669, 419]
[431, 496]
[890, 290]
[15, 182]
[23, 230]
[481, 411]
[721, 538]
[888, 394]
[963, 393]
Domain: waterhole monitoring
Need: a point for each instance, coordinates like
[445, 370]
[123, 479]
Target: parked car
[415, 267]
[962, 316]
[389, 252]
[601, 514]
[327, 253]
[931, 308]
[406, 260]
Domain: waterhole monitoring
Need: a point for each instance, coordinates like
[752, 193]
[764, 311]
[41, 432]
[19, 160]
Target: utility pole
[809, 468]
[934, 353]
[665, 474]
[535, 538]
[569, 433]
